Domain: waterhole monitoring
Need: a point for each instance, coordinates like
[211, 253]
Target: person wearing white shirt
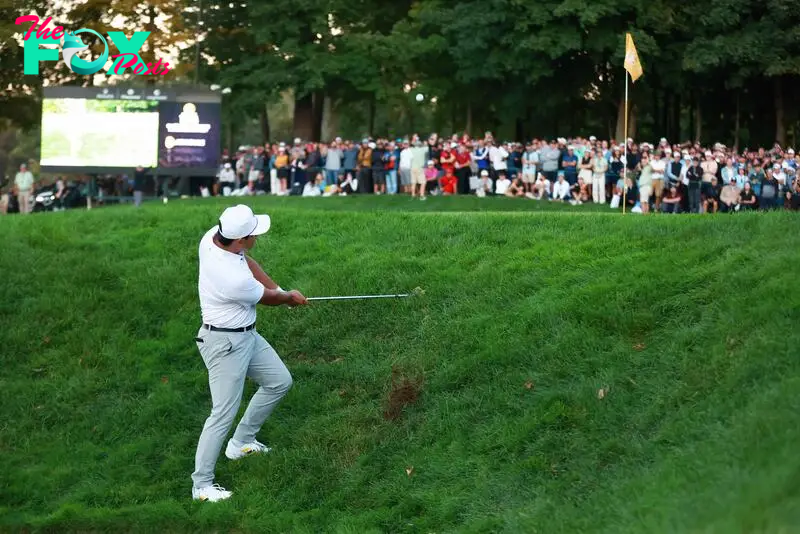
[227, 180]
[230, 285]
[659, 166]
[498, 156]
[23, 181]
[406, 156]
[561, 188]
[502, 184]
[484, 185]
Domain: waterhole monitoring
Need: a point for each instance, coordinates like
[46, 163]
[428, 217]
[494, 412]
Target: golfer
[230, 285]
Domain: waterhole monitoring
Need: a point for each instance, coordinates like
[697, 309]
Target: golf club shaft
[360, 297]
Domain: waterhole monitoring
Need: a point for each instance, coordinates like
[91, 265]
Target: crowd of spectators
[668, 178]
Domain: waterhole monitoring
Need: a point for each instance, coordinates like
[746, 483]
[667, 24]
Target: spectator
[672, 200]
[728, 172]
[549, 158]
[431, 179]
[418, 156]
[579, 192]
[347, 185]
[614, 173]
[390, 158]
[256, 164]
[502, 184]
[659, 167]
[710, 168]
[770, 192]
[481, 157]
[569, 164]
[530, 160]
[757, 177]
[645, 183]
[515, 159]
[793, 197]
[378, 168]
[747, 199]
[673, 170]
[585, 168]
[463, 170]
[139, 176]
[695, 177]
[315, 187]
[498, 156]
[449, 182]
[23, 182]
[333, 163]
[365, 166]
[711, 198]
[599, 169]
[729, 196]
[484, 184]
[630, 193]
[517, 188]
[282, 166]
[541, 189]
[405, 167]
[350, 158]
[740, 178]
[561, 189]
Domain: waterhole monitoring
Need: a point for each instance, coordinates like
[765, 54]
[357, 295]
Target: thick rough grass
[687, 323]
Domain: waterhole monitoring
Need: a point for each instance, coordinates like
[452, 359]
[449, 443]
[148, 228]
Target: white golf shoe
[212, 493]
[234, 453]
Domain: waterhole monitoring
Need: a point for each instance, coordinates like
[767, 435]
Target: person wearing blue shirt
[569, 164]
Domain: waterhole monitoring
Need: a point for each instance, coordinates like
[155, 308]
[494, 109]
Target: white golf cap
[239, 221]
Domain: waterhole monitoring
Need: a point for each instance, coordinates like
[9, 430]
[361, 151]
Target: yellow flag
[632, 64]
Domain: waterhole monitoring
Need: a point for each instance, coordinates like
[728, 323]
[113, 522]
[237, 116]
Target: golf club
[417, 291]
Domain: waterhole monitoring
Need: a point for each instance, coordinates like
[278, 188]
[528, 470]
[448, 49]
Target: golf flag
[632, 64]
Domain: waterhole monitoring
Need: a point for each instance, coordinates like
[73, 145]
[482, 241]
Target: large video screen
[79, 132]
[188, 135]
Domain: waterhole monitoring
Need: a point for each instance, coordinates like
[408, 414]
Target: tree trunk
[264, 121]
[698, 122]
[149, 55]
[780, 122]
[620, 135]
[657, 129]
[318, 113]
[229, 135]
[675, 132]
[303, 126]
[632, 114]
[665, 114]
[519, 129]
[468, 128]
[736, 127]
[371, 125]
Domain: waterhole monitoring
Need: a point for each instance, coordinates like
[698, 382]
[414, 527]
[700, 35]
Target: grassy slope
[104, 395]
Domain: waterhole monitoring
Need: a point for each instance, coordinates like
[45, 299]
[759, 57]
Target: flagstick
[625, 140]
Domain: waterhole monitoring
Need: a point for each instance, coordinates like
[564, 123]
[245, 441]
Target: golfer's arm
[260, 275]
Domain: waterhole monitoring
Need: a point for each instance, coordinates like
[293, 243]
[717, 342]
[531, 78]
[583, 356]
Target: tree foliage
[717, 69]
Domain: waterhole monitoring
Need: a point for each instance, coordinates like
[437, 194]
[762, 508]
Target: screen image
[189, 135]
[79, 132]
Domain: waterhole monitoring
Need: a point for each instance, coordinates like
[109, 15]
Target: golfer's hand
[297, 299]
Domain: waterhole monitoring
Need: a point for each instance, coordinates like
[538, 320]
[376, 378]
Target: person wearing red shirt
[448, 158]
[449, 182]
[463, 169]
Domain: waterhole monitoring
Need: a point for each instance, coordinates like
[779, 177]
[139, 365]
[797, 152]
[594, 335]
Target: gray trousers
[229, 357]
[137, 198]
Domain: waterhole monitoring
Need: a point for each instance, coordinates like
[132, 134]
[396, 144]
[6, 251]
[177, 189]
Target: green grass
[689, 321]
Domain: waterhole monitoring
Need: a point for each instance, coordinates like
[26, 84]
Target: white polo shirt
[228, 290]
